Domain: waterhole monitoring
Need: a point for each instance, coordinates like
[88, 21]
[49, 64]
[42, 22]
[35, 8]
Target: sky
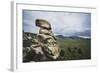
[62, 23]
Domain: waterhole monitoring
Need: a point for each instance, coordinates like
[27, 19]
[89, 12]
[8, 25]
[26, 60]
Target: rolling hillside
[73, 47]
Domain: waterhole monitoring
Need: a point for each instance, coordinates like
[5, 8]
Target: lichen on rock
[49, 45]
[42, 46]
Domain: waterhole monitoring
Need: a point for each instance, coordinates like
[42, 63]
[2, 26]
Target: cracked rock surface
[46, 37]
[42, 46]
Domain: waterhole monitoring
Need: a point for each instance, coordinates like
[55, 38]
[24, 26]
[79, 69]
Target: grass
[72, 49]
[75, 49]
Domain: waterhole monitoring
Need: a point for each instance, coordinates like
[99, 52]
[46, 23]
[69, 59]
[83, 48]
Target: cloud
[65, 23]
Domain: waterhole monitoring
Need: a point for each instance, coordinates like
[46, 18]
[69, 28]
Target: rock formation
[42, 46]
[47, 39]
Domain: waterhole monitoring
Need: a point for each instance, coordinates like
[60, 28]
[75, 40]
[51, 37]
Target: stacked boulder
[47, 40]
[42, 46]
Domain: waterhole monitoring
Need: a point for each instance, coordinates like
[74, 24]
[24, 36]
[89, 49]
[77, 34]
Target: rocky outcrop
[47, 39]
[42, 46]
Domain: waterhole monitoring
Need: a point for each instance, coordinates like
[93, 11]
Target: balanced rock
[47, 39]
[43, 24]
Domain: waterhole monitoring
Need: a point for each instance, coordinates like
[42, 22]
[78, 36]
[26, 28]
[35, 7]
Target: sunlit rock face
[43, 24]
[42, 46]
[47, 39]
[32, 51]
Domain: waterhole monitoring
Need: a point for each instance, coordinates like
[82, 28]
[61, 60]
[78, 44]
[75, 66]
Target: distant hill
[71, 37]
[30, 36]
[60, 36]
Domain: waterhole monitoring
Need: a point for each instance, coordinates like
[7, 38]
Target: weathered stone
[45, 32]
[52, 51]
[42, 46]
[47, 40]
[44, 37]
[37, 49]
[33, 53]
[43, 24]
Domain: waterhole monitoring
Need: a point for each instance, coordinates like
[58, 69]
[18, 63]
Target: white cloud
[62, 23]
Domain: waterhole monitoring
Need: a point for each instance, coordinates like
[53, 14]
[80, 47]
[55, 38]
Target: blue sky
[63, 23]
